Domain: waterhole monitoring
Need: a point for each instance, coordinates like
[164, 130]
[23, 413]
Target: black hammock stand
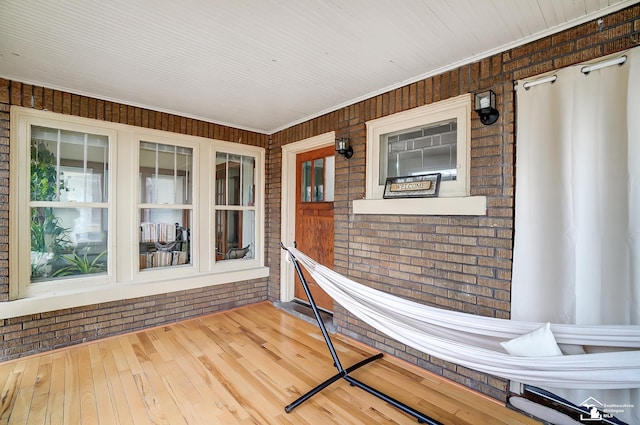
[342, 372]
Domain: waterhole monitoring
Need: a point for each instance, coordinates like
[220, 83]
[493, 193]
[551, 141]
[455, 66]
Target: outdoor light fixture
[343, 147]
[486, 107]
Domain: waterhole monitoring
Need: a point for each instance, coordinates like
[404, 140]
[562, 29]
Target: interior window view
[235, 207]
[317, 180]
[320, 212]
[166, 180]
[69, 211]
[423, 150]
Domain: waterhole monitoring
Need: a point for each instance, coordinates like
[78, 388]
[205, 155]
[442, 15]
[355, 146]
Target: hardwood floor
[237, 367]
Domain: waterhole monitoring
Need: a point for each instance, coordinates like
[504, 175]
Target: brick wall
[40, 332]
[46, 331]
[459, 263]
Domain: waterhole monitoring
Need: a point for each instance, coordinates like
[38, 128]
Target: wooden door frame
[288, 203]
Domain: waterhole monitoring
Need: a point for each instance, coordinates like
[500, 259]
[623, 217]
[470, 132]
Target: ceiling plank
[261, 65]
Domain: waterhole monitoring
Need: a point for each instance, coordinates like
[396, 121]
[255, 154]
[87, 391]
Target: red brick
[4, 90]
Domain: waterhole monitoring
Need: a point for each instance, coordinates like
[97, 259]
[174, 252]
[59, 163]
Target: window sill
[57, 300]
[471, 205]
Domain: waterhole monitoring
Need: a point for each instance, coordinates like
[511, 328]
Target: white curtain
[577, 204]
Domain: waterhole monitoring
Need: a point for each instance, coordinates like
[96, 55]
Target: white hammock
[474, 341]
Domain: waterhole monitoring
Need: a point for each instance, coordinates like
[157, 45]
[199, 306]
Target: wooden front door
[314, 216]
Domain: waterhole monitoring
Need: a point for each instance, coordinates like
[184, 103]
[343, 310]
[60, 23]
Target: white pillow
[538, 343]
[571, 349]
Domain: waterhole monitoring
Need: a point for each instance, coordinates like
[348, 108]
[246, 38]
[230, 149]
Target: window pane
[235, 186]
[423, 150]
[164, 237]
[83, 185]
[318, 180]
[221, 178]
[165, 174]
[306, 181]
[68, 242]
[233, 180]
[165, 179]
[248, 180]
[235, 235]
[45, 178]
[83, 155]
[235, 176]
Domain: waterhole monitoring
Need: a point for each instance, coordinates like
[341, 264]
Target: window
[430, 139]
[69, 192]
[235, 214]
[422, 150]
[183, 211]
[165, 208]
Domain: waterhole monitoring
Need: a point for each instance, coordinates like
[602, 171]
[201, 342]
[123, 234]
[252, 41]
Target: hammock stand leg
[344, 373]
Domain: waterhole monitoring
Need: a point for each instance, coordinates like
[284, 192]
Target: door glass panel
[318, 180]
[306, 181]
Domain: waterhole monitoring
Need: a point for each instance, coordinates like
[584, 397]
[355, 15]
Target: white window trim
[124, 279]
[454, 196]
[19, 258]
[288, 203]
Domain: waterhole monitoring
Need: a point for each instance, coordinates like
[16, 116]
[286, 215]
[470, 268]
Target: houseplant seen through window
[57, 248]
[48, 237]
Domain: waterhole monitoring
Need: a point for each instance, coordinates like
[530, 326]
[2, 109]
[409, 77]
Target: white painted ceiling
[262, 65]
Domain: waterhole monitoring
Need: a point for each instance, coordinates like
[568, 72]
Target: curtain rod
[609, 62]
[550, 79]
[585, 70]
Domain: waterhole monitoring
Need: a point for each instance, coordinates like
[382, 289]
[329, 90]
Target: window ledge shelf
[57, 300]
[471, 205]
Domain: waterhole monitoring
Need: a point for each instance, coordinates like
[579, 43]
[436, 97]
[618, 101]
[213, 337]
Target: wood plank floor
[237, 367]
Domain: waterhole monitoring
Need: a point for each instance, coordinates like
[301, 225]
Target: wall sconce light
[486, 107]
[343, 147]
